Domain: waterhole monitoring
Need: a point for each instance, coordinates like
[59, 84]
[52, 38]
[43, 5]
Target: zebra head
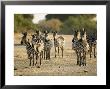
[24, 34]
[83, 34]
[76, 38]
[54, 34]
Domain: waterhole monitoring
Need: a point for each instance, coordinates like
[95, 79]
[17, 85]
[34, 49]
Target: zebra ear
[26, 33]
[76, 31]
[37, 31]
[28, 40]
[84, 29]
[44, 31]
[48, 31]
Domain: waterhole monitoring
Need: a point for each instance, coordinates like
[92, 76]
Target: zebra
[76, 45]
[92, 44]
[59, 43]
[30, 52]
[79, 44]
[35, 50]
[48, 44]
[47, 47]
[24, 37]
[39, 49]
[37, 38]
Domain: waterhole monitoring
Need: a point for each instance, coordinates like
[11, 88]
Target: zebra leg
[62, 51]
[30, 59]
[40, 58]
[49, 53]
[85, 59]
[91, 52]
[94, 52]
[44, 53]
[80, 59]
[21, 42]
[36, 58]
[58, 51]
[30, 62]
[33, 59]
[55, 52]
[84, 62]
[77, 58]
[25, 41]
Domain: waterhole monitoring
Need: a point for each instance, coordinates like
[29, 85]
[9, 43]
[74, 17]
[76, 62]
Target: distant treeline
[62, 23]
[23, 22]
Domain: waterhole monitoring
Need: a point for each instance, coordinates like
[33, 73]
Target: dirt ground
[59, 66]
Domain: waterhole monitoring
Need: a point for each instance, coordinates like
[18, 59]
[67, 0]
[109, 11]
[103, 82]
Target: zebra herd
[40, 45]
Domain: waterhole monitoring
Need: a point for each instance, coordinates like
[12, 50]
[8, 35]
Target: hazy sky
[41, 16]
[38, 17]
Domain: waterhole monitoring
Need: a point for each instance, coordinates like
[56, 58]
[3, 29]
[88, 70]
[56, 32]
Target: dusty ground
[56, 66]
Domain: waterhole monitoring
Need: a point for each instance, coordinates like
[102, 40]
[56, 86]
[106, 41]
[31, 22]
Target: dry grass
[55, 66]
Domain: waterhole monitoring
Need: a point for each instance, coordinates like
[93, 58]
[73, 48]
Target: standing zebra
[35, 52]
[92, 44]
[39, 49]
[59, 43]
[37, 38]
[76, 45]
[30, 52]
[47, 47]
[80, 46]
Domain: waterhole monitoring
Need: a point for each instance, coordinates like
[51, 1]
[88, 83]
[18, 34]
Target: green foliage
[63, 23]
[52, 24]
[77, 23]
[23, 22]
[63, 17]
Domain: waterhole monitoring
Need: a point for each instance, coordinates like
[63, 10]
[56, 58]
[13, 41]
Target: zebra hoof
[77, 63]
[86, 71]
[15, 68]
[80, 65]
[38, 66]
[21, 43]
